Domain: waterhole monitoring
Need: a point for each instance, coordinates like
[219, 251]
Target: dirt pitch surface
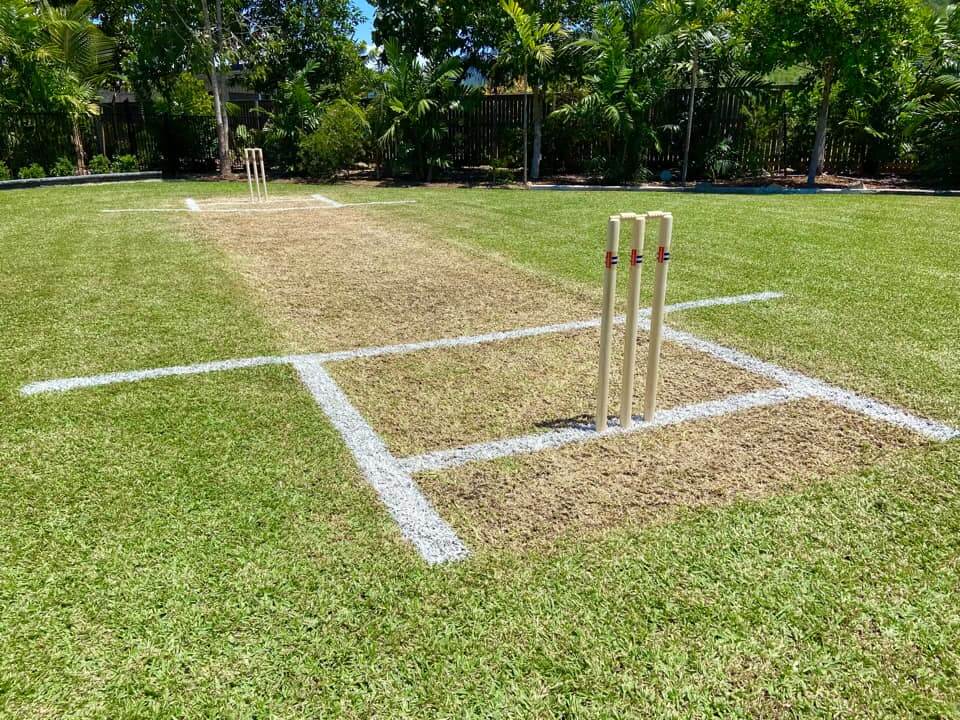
[342, 279]
[346, 279]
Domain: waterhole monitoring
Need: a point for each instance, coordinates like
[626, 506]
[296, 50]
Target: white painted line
[325, 199]
[192, 205]
[298, 208]
[419, 522]
[144, 210]
[379, 202]
[501, 336]
[817, 388]
[64, 384]
[537, 442]
[75, 383]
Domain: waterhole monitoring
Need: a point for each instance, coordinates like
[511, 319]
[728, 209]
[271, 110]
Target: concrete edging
[20, 184]
[706, 188]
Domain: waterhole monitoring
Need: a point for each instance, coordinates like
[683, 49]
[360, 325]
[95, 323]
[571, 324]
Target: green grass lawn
[204, 546]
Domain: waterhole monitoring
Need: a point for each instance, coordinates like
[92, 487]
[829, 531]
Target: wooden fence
[751, 133]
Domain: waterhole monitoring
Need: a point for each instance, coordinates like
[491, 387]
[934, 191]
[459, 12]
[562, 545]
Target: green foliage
[843, 42]
[63, 167]
[4, 171]
[186, 96]
[337, 141]
[408, 115]
[52, 58]
[125, 164]
[932, 116]
[530, 47]
[32, 171]
[317, 33]
[297, 112]
[99, 165]
[618, 93]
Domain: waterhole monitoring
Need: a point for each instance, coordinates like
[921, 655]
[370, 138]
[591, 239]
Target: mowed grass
[204, 547]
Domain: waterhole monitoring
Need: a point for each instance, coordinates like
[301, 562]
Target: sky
[365, 28]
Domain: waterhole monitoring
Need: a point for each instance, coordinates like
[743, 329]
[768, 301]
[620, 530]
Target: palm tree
[414, 96]
[695, 28]
[530, 46]
[75, 43]
[619, 87]
[932, 116]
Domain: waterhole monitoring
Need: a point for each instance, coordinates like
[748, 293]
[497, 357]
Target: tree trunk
[525, 98]
[820, 139]
[690, 109]
[223, 139]
[537, 133]
[78, 148]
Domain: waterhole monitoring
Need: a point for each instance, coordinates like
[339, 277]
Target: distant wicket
[638, 231]
[253, 160]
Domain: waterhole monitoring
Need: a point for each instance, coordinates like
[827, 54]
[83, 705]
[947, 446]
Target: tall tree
[694, 28]
[839, 41]
[530, 50]
[283, 37]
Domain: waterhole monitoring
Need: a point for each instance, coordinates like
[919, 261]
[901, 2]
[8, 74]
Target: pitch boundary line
[392, 477]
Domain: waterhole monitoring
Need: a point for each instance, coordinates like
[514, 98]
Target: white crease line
[144, 210]
[245, 200]
[221, 211]
[419, 522]
[192, 205]
[379, 202]
[816, 388]
[501, 336]
[325, 199]
[526, 444]
[64, 384]
[75, 383]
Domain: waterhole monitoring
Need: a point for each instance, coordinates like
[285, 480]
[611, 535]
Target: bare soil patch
[343, 279]
[451, 397]
[532, 500]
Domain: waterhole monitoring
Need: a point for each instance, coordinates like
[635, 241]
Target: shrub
[125, 163]
[336, 143]
[63, 167]
[34, 170]
[500, 174]
[99, 165]
[4, 171]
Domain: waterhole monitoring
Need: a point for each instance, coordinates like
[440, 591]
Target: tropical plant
[529, 51]
[4, 171]
[409, 111]
[62, 167]
[932, 116]
[125, 164]
[85, 54]
[694, 28]
[99, 165]
[619, 88]
[297, 112]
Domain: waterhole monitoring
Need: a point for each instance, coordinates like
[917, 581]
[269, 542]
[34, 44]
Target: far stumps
[256, 173]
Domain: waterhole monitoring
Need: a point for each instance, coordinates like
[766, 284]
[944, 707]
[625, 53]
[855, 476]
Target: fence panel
[750, 133]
